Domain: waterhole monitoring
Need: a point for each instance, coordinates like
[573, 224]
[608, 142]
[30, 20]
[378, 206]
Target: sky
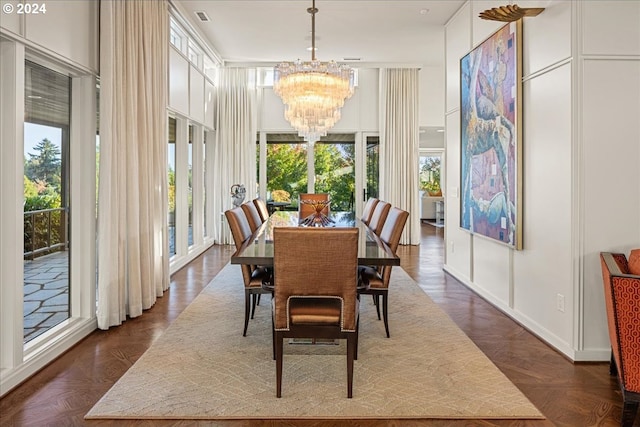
[33, 134]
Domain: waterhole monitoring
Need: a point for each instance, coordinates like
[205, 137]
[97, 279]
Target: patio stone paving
[46, 293]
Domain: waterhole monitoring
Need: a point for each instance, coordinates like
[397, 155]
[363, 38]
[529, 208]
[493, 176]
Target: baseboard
[11, 378]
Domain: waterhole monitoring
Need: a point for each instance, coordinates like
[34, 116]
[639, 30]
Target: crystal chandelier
[313, 92]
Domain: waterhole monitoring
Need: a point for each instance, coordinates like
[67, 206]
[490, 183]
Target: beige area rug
[203, 368]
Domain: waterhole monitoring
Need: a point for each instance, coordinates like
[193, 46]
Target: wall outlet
[560, 302]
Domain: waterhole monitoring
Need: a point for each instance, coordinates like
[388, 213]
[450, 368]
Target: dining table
[258, 250]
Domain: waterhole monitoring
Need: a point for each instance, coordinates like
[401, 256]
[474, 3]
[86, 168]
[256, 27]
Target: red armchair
[622, 299]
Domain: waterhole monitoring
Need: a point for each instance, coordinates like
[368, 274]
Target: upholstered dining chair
[621, 279]
[253, 216]
[306, 210]
[367, 212]
[315, 296]
[375, 280]
[262, 207]
[379, 216]
[253, 276]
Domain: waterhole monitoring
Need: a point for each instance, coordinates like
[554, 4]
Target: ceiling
[395, 33]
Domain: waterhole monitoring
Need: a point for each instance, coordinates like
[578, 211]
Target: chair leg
[273, 337]
[385, 315]
[279, 339]
[355, 356]
[376, 301]
[247, 308]
[613, 369]
[351, 350]
[254, 300]
[629, 411]
[258, 302]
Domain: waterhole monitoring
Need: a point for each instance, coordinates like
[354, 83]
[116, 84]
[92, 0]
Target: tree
[45, 165]
[335, 174]
[287, 168]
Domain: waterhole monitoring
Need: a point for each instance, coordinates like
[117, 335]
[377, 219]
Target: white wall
[68, 30]
[431, 81]
[581, 148]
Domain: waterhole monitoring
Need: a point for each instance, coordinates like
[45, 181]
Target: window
[46, 199]
[171, 172]
[430, 172]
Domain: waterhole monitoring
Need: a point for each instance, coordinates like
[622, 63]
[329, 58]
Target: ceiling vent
[202, 16]
[352, 59]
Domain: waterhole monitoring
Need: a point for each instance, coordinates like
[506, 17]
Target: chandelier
[313, 92]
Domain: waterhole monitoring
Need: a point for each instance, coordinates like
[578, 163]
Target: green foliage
[30, 188]
[172, 190]
[287, 168]
[335, 174]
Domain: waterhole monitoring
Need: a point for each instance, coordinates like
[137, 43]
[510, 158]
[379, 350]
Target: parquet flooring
[568, 394]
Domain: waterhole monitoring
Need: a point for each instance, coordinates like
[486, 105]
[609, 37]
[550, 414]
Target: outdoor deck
[46, 293]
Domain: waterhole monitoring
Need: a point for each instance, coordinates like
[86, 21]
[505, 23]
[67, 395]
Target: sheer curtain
[235, 148]
[399, 145]
[133, 265]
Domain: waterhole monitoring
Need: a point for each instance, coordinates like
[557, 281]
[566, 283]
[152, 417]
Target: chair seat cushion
[315, 311]
[371, 278]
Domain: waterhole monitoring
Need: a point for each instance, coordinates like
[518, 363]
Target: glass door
[292, 168]
[335, 173]
[46, 200]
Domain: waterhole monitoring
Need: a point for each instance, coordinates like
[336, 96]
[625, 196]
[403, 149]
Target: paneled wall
[68, 29]
[581, 148]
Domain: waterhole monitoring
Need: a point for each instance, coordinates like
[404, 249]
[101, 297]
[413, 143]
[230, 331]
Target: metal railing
[45, 230]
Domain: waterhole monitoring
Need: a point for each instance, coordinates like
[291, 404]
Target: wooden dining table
[258, 250]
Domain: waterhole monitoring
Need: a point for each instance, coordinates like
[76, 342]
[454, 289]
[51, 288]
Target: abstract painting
[491, 137]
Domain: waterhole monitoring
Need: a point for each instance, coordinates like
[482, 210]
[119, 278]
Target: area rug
[203, 368]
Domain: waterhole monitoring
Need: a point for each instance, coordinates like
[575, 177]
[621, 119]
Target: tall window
[171, 171]
[190, 186]
[46, 199]
[372, 184]
[330, 166]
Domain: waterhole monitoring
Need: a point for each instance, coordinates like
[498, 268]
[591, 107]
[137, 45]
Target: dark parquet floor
[568, 394]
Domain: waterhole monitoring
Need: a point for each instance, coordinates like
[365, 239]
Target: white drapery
[133, 264]
[235, 149]
[399, 146]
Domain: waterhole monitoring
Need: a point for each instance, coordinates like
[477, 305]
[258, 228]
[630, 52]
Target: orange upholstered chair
[367, 212]
[375, 280]
[622, 299]
[253, 276]
[315, 289]
[306, 210]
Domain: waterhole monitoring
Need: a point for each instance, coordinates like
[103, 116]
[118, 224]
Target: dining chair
[305, 210]
[315, 296]
[621, 279]
[252, 276]
[379, 216]
[375, 280]
[253, 216]
[367, 212]
[262, 207]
